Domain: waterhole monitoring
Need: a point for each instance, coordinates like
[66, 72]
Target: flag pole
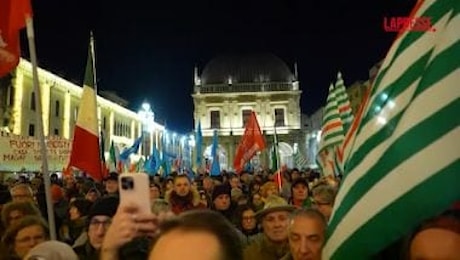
[93, 55]
[41, 135]
[93, 66]
[278, 167]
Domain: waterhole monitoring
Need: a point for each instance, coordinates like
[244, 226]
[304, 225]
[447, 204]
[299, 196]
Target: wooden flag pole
[41, 135]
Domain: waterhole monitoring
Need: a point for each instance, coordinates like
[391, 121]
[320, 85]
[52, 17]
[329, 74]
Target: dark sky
[146, 50]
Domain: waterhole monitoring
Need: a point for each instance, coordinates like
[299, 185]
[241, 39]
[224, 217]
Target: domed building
[229, 87]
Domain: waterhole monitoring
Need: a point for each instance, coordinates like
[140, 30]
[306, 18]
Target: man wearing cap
[111, 185]
[221, 202]
[273, 244]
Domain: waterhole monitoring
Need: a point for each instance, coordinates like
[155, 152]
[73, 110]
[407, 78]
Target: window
[32, 101]
[246, 114]
[57, 107]
[31, 130]
[75, 114]
[11, 97]
[279, 117]
[56, 131]
[114, 127]
[104, 123]
[215, 119]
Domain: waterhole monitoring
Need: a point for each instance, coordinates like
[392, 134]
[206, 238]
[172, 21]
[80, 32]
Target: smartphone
[134, 189]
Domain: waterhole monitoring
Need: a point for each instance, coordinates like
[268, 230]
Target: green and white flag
[343, 102]
[300, 161]
[404, 164]
[332, 136]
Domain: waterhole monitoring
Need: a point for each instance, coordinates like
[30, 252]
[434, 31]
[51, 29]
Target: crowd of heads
[236, 216]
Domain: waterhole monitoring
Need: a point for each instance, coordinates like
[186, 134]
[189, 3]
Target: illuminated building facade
[60, 103]
[230, 87]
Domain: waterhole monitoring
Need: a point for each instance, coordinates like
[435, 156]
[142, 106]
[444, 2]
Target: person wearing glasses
[323, 199]
[247, 223]
[99, 220]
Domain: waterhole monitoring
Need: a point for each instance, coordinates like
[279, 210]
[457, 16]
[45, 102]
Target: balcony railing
[246, 87]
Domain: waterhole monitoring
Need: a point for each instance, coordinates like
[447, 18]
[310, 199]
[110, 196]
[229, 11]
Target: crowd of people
[246, 216]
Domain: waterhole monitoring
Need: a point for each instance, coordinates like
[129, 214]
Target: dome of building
[250, 68]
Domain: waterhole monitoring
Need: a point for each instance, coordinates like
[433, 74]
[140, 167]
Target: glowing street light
[147, 117]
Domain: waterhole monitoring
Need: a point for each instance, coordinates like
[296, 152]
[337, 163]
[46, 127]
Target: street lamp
[147, 118]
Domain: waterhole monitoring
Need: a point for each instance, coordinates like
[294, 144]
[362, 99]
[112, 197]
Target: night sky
[146, 50]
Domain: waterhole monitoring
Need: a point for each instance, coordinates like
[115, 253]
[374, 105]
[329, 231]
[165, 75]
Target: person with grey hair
[306, 235]
[323, 199]
[51, 250]
[22, 192]
[272, 244]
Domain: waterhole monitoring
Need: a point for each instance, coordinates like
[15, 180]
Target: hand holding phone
[134, 190]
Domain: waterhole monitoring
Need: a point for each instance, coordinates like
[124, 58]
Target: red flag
[13, 15]
[251, 142]
[85, 154]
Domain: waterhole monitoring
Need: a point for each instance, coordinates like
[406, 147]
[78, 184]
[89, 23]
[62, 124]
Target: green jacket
[262, 249]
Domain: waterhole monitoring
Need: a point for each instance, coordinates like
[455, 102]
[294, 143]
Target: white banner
[20, 153]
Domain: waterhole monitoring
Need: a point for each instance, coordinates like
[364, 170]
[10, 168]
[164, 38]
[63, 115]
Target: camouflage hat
[273, 204]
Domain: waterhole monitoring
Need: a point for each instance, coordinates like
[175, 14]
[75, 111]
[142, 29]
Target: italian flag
[85, 153]
[404, 161]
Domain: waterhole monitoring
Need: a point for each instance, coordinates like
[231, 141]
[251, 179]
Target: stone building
[229, 87]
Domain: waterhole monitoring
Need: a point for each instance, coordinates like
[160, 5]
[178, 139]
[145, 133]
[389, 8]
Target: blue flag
[133, 149]
[198, 145]
[215, 166]
[153, 163]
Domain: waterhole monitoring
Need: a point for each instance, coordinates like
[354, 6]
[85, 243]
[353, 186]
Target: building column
[111, 125]
[18, 105]
[45, 92]
[233, 117]
[226, 109]
[151, 144]
[67, 115]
